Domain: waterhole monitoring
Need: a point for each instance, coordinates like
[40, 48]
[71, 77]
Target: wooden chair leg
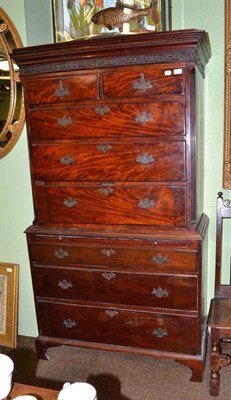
[215, 367]
[214, 383]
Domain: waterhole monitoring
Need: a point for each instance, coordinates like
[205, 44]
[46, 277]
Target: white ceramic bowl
[6, 370]
[77, 391]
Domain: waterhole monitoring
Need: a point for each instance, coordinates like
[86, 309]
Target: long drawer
[109, 120]
[108, 204]
[60, 251]
[121, 162]
[118, 326]
[111, 286]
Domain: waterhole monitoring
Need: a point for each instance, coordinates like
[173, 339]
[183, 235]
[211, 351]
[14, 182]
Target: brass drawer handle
[160, 332]
[108, 252]
[108, 275]
[69, 323]
[61, 253]
[159, 292]
[144, 117]
[64, 121]
[64, 284]
[69, 202]
[142, 84]
[102, 110]
[104, 148]
[146, 204]
[111, 313]
[159, 259]
[67, 160]
[61, 91]
[145, 159]
[106, 190]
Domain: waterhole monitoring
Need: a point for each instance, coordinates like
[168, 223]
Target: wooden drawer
[121, 162]
[142, 82]
[109, 120]
[167, 332]
[113, 286]
[60, 251]
[132, 205]
[62, 89]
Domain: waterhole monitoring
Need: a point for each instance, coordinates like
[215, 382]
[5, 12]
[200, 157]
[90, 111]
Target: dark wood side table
[41, 393]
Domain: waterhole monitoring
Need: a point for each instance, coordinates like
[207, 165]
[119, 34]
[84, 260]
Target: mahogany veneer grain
[117, 242]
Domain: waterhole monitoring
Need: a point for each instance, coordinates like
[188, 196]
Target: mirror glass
[11, 95]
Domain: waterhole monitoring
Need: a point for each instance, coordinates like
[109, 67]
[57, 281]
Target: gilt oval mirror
[12, 114]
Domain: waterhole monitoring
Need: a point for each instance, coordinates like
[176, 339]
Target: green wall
[16, 211]
[209, 15]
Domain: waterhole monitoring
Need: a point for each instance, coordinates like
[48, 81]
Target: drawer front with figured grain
[143, 82]
[109, 120]
[110, 161]
[64, 89]
[113, 286]
[60, 251]
[118, 326]
[131, 205]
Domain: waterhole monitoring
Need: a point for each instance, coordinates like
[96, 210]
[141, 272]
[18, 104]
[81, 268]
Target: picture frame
[227, 100]
[8, 304]
[73, 19]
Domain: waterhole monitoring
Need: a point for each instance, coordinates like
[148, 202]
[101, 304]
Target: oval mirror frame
[12, 125]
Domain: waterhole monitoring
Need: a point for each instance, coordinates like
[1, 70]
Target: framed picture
[75, 19]
[8, 304]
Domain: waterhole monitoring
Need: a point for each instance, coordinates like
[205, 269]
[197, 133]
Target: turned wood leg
[215, 367]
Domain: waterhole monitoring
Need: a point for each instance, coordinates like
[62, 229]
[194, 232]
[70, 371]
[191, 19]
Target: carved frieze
[155, 58]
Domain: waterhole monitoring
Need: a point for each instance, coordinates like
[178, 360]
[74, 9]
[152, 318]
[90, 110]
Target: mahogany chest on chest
[116, 156]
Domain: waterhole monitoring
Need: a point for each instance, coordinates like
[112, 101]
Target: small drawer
[59, 251]
[118, 326]
[64, 89]
[111, 204]
[113, 286]
[143, 82]
[109, 120]
[110, 161]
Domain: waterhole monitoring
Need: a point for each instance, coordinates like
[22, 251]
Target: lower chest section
[119, 291]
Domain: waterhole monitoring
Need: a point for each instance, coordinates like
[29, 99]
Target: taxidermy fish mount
[115, 17]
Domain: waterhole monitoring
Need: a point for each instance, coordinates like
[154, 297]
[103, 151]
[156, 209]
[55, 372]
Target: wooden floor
[21, 389]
